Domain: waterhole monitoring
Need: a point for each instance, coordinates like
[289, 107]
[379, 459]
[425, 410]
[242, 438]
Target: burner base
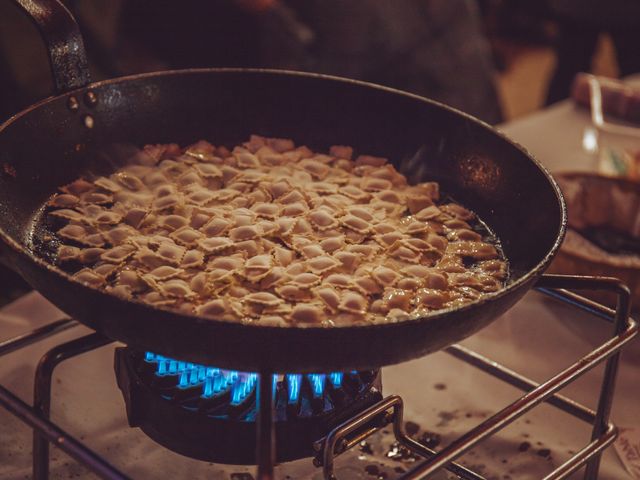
[219, 430]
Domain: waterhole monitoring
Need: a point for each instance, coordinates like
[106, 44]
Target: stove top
[444, 397]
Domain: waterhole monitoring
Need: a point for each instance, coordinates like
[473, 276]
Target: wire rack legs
[37, 417]
[42, 392]
[266, 439]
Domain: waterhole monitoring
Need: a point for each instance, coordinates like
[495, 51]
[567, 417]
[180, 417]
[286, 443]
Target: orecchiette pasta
[273, 234]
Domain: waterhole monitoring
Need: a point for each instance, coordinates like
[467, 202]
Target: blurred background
[499, 60]
[496, 59]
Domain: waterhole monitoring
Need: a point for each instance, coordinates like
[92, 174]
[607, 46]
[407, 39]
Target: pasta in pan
[274, 234]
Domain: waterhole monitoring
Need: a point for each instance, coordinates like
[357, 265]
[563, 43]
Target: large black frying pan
[56, 140]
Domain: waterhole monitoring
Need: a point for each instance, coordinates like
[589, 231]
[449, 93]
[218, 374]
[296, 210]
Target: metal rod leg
[602, 415]
[605, 401]
[266, 440]
[62, 439]
[36, 335]
[42, 392]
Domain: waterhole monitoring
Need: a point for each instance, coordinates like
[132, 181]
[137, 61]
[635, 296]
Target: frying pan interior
[51, 144]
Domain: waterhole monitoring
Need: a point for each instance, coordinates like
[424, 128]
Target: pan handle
[61, 34]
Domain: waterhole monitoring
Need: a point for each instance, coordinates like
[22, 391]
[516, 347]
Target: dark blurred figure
[522, 21]
[433, 48]
[511, 24]
[9, 103]
[20, 49]
[155, 34]
[580, 24]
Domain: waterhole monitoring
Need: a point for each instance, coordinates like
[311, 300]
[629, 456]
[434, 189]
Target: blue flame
[240, 385]
[317, 383]
[243, 388]
[294, 387]
[184, 380]
[336, 379]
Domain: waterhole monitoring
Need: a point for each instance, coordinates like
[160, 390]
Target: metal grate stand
[603, 433]
[385, 412]
[42, 391]
[37, 417]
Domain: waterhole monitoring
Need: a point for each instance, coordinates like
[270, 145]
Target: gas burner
[210, 414]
